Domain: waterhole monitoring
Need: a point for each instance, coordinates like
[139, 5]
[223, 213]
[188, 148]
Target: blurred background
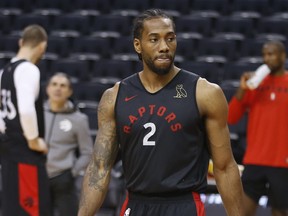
[91, 40]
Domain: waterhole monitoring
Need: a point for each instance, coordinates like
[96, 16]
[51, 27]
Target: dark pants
[64, 195]
[271, 181]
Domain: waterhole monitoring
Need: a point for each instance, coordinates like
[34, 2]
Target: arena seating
[91, 40]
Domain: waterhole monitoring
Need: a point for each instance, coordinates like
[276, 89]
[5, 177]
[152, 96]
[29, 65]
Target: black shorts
[270, 181]
[25, 189]
[188, 204]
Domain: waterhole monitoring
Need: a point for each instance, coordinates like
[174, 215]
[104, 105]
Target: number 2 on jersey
[146, 141]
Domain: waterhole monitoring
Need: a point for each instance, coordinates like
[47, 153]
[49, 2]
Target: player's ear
[20, 42]
[137, 46]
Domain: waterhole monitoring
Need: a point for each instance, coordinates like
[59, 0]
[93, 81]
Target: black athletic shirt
[162, 136]
[15, 144]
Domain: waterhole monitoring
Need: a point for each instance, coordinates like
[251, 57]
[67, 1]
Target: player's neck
[25, 53]
[154, 82]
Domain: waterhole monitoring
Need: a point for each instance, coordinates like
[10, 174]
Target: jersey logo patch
[65, 125]
[130, 98]
[28, 202]
[180, 91]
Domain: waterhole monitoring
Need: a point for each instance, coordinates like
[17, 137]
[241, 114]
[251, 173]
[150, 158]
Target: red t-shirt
[267, 129]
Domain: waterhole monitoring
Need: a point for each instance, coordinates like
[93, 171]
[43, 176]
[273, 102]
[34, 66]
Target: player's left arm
[213, 106]
[27, 83]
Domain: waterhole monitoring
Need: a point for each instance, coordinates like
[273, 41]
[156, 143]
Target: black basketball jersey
[17, 146]
[162, 136]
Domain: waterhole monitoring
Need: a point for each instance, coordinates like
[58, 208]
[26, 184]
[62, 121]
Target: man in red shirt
[266, 156]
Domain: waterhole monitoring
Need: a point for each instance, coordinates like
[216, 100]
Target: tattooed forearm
[96, 179]
[105, 151]
[82, 200]
[106, 148]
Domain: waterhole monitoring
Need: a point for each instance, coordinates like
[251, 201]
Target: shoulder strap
[12, 65]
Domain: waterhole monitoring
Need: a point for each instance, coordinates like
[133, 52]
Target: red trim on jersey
[124, 206]
[199, 204]
[28, 189]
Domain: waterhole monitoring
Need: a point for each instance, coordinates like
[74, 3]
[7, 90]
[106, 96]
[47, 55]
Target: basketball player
[167, 122]
[266, 155]
[24, 177]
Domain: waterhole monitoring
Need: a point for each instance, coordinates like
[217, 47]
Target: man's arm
[213, 106]
[97, 175]
[236, 105]
[243, 85]
[27, 82]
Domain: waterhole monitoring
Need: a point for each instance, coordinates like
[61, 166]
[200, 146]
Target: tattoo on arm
[106, 147]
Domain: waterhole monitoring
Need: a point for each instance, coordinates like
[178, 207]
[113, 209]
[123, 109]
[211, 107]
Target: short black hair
[147, 15]
[278, 44]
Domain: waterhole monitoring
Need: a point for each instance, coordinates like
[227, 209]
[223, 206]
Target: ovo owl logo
[180, 91]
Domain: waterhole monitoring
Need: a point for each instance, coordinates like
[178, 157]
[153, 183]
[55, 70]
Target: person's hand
[243, 85]
[243, 80]
[38, 144]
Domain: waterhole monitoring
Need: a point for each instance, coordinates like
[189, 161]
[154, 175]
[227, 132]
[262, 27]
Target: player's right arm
[243, 86]
[236, 105]
[97, 175]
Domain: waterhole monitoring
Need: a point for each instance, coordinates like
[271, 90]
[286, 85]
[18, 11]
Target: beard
[275, 69]
[158, 70]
